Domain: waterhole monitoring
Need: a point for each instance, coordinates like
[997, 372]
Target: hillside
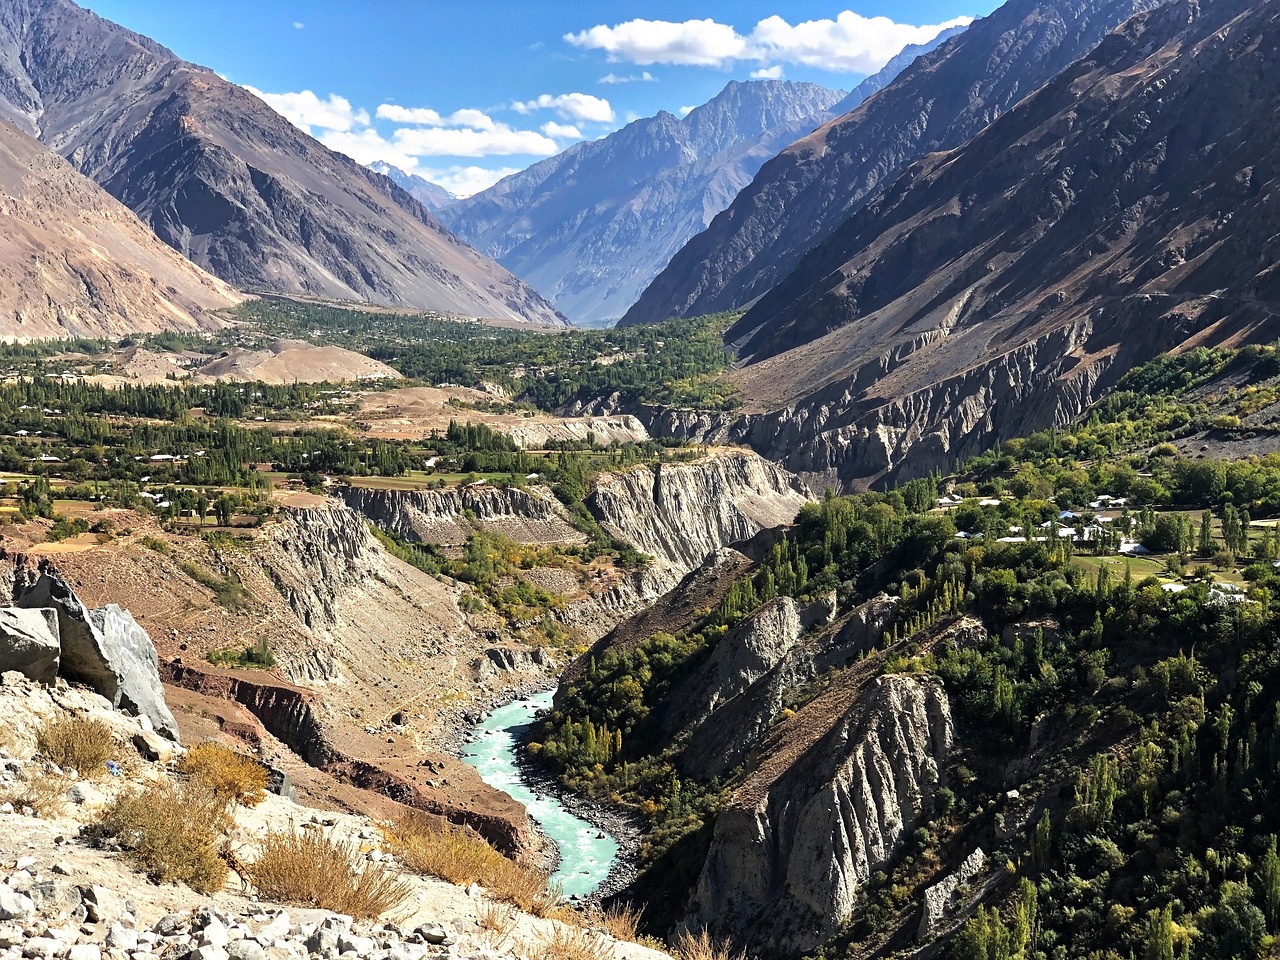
[1127, 212]
[592, 226]
[74, 262]
[938, 103]
[225, 180]
[1017, 711]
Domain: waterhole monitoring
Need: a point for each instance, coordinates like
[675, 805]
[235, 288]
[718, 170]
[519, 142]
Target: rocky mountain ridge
[937, 103]
[430, 195]
[226, 181]
[593, 225]
[76, 262]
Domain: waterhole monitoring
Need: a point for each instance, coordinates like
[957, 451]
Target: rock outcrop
[29, 643]
[725, 737]
[795, 846]
[940, 898]
[447, 518]
[104, 649]
[681, 513]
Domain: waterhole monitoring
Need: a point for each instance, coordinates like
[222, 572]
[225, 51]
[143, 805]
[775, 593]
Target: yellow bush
[232, 776]
[565, 943]
[429, 846]
[171, 832]
[311, 869]
[77, 743]
[701, 947]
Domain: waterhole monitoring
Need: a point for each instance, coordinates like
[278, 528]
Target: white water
[585, 856]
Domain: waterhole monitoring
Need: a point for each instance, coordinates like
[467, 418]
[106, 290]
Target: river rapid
[586, 853]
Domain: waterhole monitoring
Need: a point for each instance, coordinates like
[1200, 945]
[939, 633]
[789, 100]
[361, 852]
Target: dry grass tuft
[498, 921]
[702, 947]
[232, 776]
[46, 795]
[569, 943]
[620, 920]
[171, 832]
[428, 846]
[311, 869]
[77, 743]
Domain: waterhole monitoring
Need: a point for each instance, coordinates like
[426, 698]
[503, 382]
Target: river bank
[596, 849]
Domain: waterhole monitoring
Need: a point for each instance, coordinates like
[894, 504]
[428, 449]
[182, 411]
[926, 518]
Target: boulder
[104, 649]
[29, 643]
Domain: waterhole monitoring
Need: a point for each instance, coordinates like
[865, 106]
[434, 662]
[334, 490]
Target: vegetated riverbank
[543, 789]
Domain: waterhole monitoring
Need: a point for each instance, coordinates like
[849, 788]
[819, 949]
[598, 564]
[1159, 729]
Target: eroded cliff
[803, 836]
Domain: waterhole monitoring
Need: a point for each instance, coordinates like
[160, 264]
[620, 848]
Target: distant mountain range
[430, 195]
[938, 102]
[592, 226]
[75, 262]
[225, 180]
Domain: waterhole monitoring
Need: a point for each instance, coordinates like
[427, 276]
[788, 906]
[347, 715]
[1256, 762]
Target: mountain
[889, 72]
[939, 102]
[228, 182]
[75, 262]
[592, 226]
[1126, 210]
[430, 195]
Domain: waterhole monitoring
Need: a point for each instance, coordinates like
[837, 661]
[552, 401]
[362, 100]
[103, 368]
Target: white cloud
[298, 24]
[581, 107]
[702, 43]
[423, 116]
[463, 181]
[768, 73]
[685, 111]
[850, 43]
[561, 130]
[500, 141]
[305, 110]
[613, 78]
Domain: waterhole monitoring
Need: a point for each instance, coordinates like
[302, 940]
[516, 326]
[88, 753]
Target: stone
[276, 928]
[432, 933]
[153, 747]
[360, 946]
[85, 951]
[214, 934]
[55, 898]
[103, 904]
[84, 794]
[42, 947]
[121, 938]
[246, 950]
[29, 643]
[15, 906]
[208, 952]
[104, 649]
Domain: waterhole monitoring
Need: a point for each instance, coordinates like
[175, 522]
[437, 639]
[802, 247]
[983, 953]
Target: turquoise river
[586, 854]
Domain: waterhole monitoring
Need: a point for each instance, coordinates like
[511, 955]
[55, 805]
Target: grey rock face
[29, 643]
[682, 513]
[938, 898]
[790, 854]
[104, 649]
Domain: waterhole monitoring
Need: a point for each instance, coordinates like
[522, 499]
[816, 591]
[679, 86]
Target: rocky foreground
[62, 898]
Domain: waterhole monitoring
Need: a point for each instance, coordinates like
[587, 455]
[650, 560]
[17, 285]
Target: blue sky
[464, 92]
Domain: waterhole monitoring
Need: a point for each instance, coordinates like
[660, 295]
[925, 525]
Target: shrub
[620, 920]
[232, 776]
[702, 947]
[171, 832]
[428, 846]
[566, 943]
[77, 743]
[45, 795]
[312, 869]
